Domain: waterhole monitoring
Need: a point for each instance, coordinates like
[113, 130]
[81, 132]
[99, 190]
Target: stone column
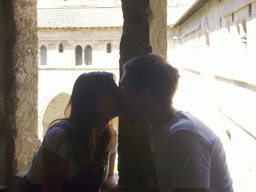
[158, 27]
[20, 82]
[144, 30]
[3, 144]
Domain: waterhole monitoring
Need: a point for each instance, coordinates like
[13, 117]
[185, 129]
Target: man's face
[131, 99]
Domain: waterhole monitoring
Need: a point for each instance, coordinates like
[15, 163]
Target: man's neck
[162, 116]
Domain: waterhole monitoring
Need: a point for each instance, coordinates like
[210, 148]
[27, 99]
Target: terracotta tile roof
[79, 17]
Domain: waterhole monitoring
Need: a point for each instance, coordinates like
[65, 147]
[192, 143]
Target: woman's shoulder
[56, 140]
[63, 126]
[57, 132]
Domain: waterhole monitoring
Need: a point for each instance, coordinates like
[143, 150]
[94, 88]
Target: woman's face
[109, 104]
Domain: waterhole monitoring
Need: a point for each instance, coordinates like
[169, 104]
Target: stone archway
[54, 109]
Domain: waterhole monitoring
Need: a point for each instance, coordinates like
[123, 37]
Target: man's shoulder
[182, 121]
[186, 122]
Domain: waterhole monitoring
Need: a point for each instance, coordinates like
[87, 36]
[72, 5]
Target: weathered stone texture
[2, 48]
[4, 166]
[158, 27]
[135, 37]
[26, 82]
[18, 86]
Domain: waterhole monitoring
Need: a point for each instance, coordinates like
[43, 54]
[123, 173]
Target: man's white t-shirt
[188, 154]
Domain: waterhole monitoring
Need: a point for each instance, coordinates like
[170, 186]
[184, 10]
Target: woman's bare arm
[110, 181]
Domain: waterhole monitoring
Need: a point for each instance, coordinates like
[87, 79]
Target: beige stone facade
[218, 39]
[61, 70]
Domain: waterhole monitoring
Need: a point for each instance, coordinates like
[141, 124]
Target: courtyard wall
[219, 39]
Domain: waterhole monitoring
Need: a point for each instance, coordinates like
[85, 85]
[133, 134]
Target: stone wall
[3, 144]
[158, 27]
[97, 38]
[60, 73]
[25, 83]
[213, 41]
[18, 21]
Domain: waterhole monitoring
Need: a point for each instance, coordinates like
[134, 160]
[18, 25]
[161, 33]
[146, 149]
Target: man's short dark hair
[155, 73]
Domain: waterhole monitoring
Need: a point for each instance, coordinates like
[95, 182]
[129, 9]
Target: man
[188, 155]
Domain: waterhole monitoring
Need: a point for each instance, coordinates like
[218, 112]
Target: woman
[78, 152]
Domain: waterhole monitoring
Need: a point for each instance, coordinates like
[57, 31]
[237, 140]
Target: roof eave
[78, 27]
[193, 9]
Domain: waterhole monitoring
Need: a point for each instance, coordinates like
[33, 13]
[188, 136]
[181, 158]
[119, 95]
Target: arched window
[54, 109]
[43, 55]
[109, 48]
[88, 55]
[61, 49]
[78, 53]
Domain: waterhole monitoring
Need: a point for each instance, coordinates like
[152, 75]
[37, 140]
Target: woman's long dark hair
[80, 111]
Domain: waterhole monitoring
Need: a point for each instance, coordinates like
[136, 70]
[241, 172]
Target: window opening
[61, 48]
[43, 55]
[250, 9]
[78, 53]
[88, 55]
[233, 17]
[109, 48]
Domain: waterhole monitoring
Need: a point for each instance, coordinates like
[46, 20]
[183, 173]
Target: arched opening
[43, 55]
[88, 55]
[78, 53]
[61, 48]
[109, 48]
[54, 109]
